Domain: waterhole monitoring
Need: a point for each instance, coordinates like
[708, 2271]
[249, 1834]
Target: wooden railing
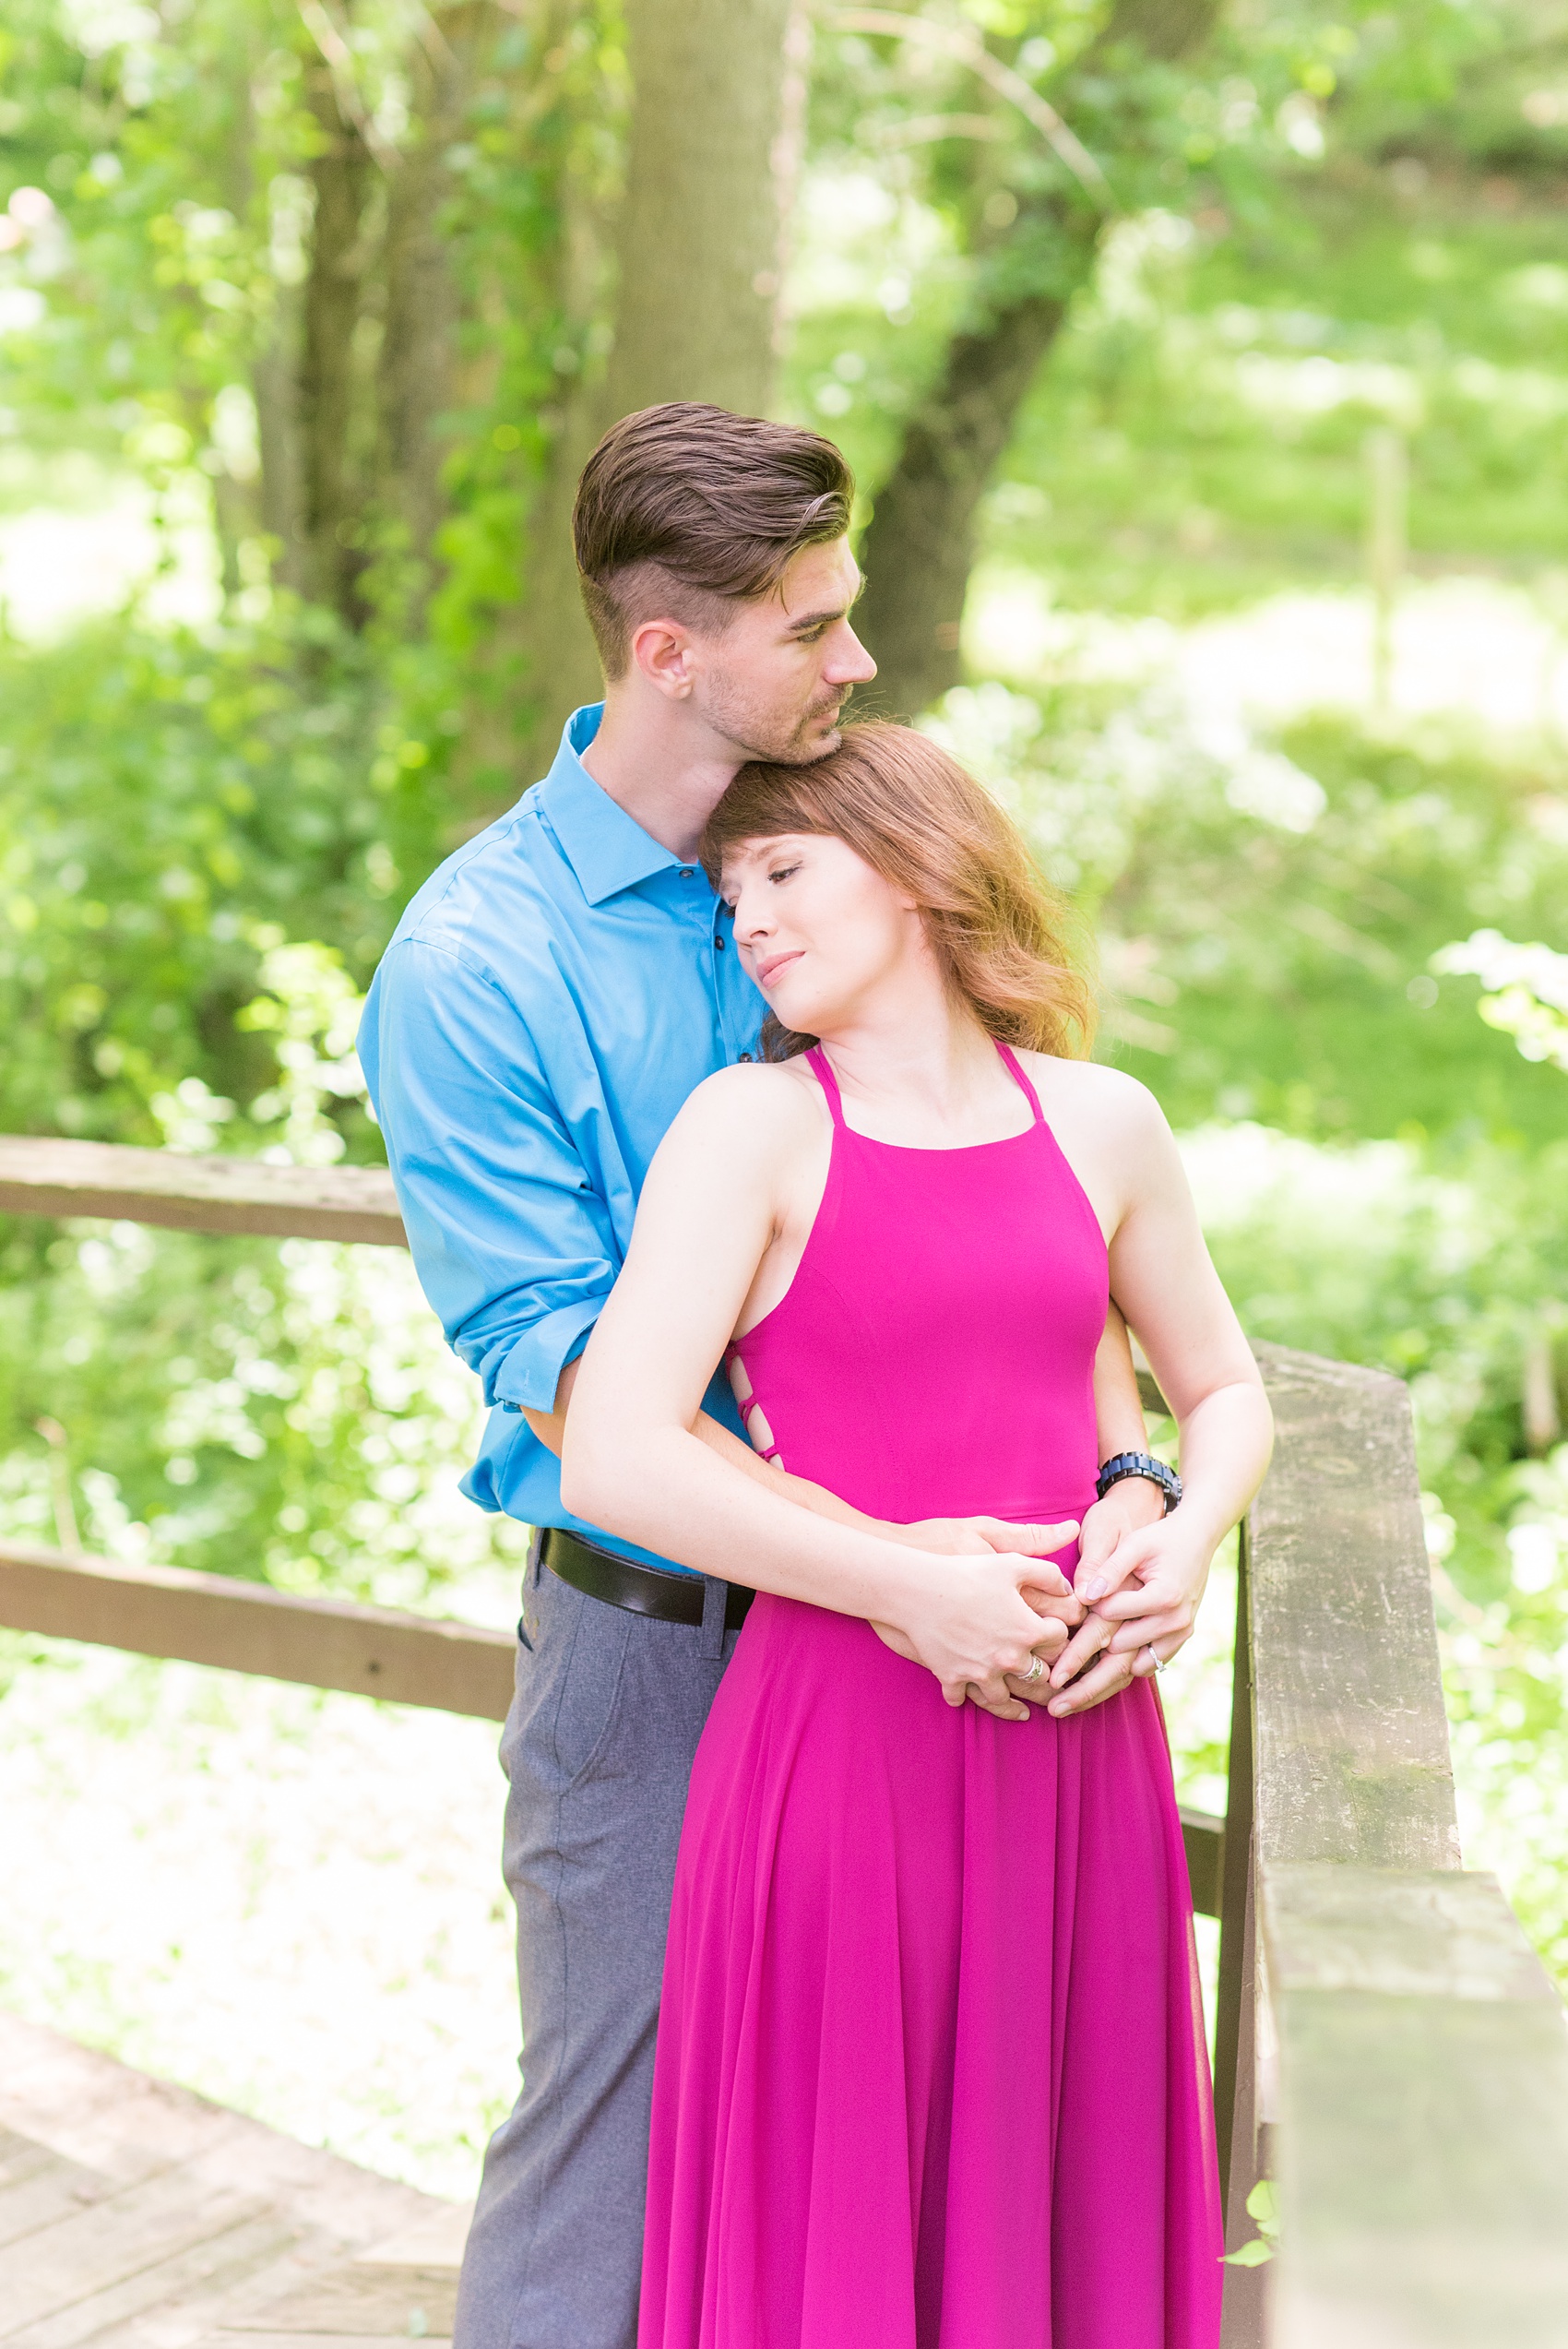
[1387, 2043]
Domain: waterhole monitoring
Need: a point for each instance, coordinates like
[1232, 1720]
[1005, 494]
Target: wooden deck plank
[21, 2159]
[318, 2341]
[148, 2218]
[356, 2300]
[84, 2105]
[173, 2302]
[97, 2248]
[53, 2189]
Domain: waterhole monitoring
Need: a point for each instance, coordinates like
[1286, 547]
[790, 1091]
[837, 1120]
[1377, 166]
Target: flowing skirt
[930, 2071]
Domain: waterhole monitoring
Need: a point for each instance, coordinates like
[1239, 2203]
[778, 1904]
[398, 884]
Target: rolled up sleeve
[512, 1246]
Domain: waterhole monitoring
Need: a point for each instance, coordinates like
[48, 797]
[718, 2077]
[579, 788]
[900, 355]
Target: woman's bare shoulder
[758, 1106]
[1089, 1089]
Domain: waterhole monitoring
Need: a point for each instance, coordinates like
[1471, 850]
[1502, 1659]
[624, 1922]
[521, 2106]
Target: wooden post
[1388, 496]
[1235, 2057]
[1424, 2122]
[1233, 2035]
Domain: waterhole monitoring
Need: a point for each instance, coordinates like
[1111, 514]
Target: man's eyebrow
[821, 619]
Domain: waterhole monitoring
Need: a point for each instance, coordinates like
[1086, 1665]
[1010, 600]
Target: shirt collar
[606, 850]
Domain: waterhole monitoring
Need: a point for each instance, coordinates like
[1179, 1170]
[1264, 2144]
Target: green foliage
[1267, 912]
[287, 1414]
[164, 799]
[1262, 2209]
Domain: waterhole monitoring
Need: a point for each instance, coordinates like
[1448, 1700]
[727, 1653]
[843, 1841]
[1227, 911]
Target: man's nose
[851, 664]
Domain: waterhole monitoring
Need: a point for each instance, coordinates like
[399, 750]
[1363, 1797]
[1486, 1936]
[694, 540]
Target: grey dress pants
[597, 1750]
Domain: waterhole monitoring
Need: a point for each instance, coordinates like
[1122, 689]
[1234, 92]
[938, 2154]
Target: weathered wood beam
[1352, 1760]
[1203, 1837]
[1423, 2135]
[44, 1176]
[248, 1626]
[1418, 2105]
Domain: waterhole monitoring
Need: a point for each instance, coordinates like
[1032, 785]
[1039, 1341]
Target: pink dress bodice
[964, 1290]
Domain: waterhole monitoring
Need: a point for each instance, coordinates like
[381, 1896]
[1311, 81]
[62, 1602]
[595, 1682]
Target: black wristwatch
[1140, 1464]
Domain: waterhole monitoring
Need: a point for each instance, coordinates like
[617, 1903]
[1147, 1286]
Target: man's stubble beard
[762, 736]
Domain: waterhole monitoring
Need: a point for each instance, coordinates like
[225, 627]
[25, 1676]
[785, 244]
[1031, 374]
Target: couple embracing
[733, 1085]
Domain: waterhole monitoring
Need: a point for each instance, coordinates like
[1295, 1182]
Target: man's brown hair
[690, 510]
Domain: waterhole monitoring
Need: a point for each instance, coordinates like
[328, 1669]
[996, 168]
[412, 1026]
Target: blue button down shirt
[550, 998]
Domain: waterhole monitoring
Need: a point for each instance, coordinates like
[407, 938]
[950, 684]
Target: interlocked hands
[1139, 1579]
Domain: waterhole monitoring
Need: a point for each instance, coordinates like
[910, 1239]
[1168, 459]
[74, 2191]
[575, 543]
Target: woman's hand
[1150, 1586]
[1105, 1654]
[1145, 1604]
[1131, 1503]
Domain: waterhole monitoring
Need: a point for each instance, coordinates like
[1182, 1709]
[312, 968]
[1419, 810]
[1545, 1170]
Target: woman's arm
[1144, 1592]
[632, 1462]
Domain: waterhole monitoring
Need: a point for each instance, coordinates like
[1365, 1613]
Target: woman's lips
[768, 971]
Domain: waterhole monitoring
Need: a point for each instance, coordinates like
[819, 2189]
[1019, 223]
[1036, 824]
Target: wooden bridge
[1389, 2048]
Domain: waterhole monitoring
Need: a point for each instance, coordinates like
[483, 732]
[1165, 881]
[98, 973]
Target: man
[550, 997]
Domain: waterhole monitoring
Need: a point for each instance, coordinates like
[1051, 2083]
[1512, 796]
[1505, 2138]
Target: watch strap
[1124, 1464]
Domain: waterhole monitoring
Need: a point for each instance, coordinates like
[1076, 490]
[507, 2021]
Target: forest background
[1206, 370]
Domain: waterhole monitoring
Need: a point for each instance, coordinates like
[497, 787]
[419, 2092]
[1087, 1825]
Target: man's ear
[661, 649]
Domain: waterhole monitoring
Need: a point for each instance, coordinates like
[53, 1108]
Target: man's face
[775, 683]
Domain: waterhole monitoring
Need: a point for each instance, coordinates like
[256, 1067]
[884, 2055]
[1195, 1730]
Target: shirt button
[745, 1057]
[718, 946]
[687, 871]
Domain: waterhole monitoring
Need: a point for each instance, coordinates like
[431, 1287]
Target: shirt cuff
[530, 1373]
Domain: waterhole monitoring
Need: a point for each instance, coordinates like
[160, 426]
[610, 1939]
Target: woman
[931, 2070]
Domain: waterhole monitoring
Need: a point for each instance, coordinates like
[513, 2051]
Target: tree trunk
[423, 306]
[562, 659]
[275, 389]
[920, 545]
[331, 516]
[699, 244]
[710, 159]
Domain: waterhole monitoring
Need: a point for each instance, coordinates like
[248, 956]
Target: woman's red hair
[999, 930]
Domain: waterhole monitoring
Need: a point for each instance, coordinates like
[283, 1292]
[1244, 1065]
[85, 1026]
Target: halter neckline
[822, 1069]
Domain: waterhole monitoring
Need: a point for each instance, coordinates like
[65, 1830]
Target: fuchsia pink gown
[930, 2068]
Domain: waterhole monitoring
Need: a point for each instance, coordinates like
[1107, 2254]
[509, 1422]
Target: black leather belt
[642, 1590]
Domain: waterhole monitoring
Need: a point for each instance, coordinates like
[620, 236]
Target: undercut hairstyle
[1009, 945]
[689, 511]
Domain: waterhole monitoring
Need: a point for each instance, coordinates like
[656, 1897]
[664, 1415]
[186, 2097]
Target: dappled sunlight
[1468, 650]
[117, 543]
[288, 1900]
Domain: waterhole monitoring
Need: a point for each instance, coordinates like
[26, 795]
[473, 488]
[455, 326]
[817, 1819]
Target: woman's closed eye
[783, 872]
